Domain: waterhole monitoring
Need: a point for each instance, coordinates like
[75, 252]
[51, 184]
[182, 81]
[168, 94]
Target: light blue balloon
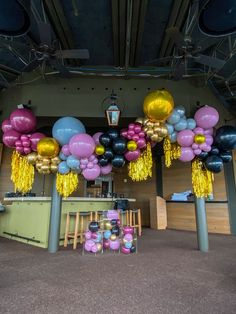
[173, 137]
[66, 127]
[191, 124]
[128, 245]
[170, 128]
[174, 117]
[73, 162]
[99, 238]
[63, 168]
[181, 110]
[107, 234]
[62, 156]
[181, 125]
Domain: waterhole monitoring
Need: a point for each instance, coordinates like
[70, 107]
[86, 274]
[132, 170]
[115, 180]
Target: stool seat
[84, 213]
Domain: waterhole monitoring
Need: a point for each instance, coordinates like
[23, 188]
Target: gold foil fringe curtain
[171, 151]
[141, 169]
[22, 173]
[66, 184]
[202, 179]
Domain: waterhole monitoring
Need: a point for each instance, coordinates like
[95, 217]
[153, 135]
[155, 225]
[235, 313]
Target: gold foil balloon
[108, 225]
[155, 137]
[46, 161]
[163, 131]
[113, 237]
[150, 132]
[32, 158]
[45, 168]
[53, 168]
[99, 247]
[139, 120]
[199, 138]
[158, 105]
[39, 164]
[132, 145]
[48, 147]
[55, 160]
[100, 149]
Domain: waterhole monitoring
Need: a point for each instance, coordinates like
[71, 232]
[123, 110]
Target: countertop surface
[68, 199]
[208, 202]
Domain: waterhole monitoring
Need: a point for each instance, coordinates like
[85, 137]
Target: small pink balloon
[207, 148]
[131, 126]
[141, 143]
[94, 235]
[130, 133]
[128, 230]
[197, 151]
[198, 130]
[90, 165]
[106, 169]
[123, 133]
[91, 158]
[112, 214]
[82, 167]
[10, 137]
[35, 138]
[96, 137]
[195, 146]
[27, 150]
[26, 143]
[132, 155]
[209, 131]
[115, 245]
[95, 161]
[124, 250]
[94, 248]
[88, 235]
[6, 126]
[187, 154]
[135, 137]
[88, 245]
[84, 161]
[20, 149]
[66, 150]
[185, 138]
[18, 143]
[203, 146]
[209, 139]
[24, 137]
[142, 134]
[137, 128]
[128, 237]
[106, 244]
[91, 174]
[129, 137]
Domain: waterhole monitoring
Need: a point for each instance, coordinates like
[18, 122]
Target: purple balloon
[135, 137]
[128, 230]
[115, 245]
[26, 143]
[27, 150]
[88, 235]
[137, 128]
[92, 158]
[34, 139]
[94, 248]
[20, 149]
[142, 134]
[130, 133]
[106, 169]
[195, 146]
[88, 245]
[141, 142]
[6, 126]
[106, 244]
[112, 214]
[124, 250]
[10, 137]
[95, 161]
[91, 174]
[131, 126]
[187, 154]
[96, 137]
[132, 155]
[197, 151]
[84, 161]
[209, 131]
[24, 137]
[185, 138]
[206, 117]
[129, 137]
[66, 150]
[82, 145]
[90, 165]
[18, 143]
[128, 237]
[82, 167]
[205, 147]
[198, 130]
[23, 120]
[209, 139]
[123, 133]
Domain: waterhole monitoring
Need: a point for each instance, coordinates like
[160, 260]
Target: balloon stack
[129, 240]
[111, 225]
[93, 239]
[44, 165]
[156, 131]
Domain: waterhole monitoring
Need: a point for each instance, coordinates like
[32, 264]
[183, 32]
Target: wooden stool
[79, 224]
[124, 217]
[132, 219]
[85, 217]
[98, 214]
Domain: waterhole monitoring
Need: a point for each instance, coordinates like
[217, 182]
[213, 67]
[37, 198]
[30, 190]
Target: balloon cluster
[17, 129]
[156, 131]
[127, 240]
[93, 238]
[111, 231]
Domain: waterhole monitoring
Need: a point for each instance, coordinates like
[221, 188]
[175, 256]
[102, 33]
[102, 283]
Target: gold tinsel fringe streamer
[67, 183]
[202, 179]
[22, 173]
[141, 169]
[171, 151]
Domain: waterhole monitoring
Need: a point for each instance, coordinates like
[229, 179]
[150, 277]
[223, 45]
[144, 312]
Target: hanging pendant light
[112, 110]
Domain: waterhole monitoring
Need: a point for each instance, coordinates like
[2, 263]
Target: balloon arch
[71, 151]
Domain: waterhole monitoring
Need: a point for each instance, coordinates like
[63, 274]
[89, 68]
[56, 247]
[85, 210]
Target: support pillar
[201, 224]
[55, 220]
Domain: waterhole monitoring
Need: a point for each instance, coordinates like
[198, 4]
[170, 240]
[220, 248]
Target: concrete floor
[168, 275]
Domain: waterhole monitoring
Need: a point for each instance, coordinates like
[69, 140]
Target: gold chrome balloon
[155, 137]
[100, 149]
[149, 124]
[107, 225]
[199, 138]
[48, 147]
[55, 160]
[99, 247]
[132, 145]
[139, 120]
[149, 132]
[46, 161]
[163, 131]
[53, 168]
[38, 164]
[158, 105]
[45, 167]
[113, 237]
[32, 158]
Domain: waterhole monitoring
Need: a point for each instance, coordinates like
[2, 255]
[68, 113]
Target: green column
[55, 220]
[201, 224]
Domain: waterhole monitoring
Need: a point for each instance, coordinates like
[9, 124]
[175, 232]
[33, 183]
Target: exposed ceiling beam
[122, 30]
[115, 29]
[8, 70]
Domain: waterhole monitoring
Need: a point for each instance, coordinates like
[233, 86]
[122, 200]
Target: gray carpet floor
[168, 275]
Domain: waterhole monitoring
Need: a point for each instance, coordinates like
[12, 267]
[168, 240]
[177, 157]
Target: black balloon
[93, 226]
[214, 150]
[119, 145]
[108, 153]
[225, 156]
[202, 156]
[133, 249]
[102, 161]
[118, 161]
[113, 133]
[225, 137]
[105, 140]
[114, 222]
[115, 230]
[214, 164]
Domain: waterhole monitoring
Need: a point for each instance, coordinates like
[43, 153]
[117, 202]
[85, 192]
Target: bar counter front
[26, 219]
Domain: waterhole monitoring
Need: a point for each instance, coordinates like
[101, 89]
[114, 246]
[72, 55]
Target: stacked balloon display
[93, 239]
[111, 225]
[128, 240]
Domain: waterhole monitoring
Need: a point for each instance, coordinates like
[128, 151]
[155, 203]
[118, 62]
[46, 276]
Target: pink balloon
[128, 237]
[197, 151]
[132, 155]
[94, 248]
[35, 138]
[6, 126]
[88, 245]
[10, 137]
[205, 147]
[131, 126]
[187, 154]
[90, 165]
[88, 235]
[23, 120]
[27, 150]
[198, 131]
[91, 158]
[95, 161]
[129, 137]
[94, 235]
[24, 137]
[84, 161]
[82, 167]
[185, 138]
[26, 143]
[114, 245]
[135, 137]
[137, 128]
[106, 169]
[91, 174]
[66, 150]
[18, 143]
[209, 139]
[206, 117]
[123, 132]
[124, 250]
[20, 149]
[142, 134]
[96, 137]
[82, 145]
[106, 244]
[128, 230]
[141, 143]
[112, 214]
[195, 146]
[130, 133]
[209, 131]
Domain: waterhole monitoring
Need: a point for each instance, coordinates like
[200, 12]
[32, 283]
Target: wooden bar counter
[26, 219]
